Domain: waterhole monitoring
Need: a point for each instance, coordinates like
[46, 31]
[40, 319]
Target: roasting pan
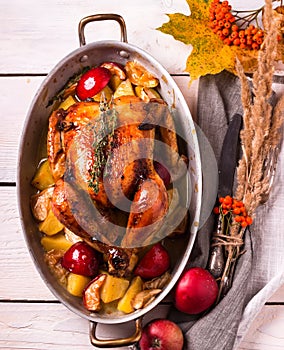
[30, 153]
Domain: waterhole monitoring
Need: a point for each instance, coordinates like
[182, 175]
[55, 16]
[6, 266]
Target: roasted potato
[51, 225]
[43, 177]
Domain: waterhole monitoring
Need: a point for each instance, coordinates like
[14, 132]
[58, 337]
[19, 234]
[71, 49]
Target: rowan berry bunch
[233, 210]
[225, 25]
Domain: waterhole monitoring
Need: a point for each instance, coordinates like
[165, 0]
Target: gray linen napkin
[260, 271]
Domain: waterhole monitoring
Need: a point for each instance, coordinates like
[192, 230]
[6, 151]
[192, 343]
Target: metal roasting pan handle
[110, 343]
[101, 17]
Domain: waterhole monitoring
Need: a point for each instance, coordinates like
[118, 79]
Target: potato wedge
[76, 284]
[51, 225]
[146, 94]
[114, 82]
[113, 288]
[107, 91]
[125, 303]
[69, 101]
[43, 177]
[125, 88]
[58, 241]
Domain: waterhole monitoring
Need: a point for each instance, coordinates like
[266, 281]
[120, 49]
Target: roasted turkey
[125, 189]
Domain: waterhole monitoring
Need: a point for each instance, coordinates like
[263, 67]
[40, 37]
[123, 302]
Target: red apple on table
[196, 291]
[154, 263]
[161, 334]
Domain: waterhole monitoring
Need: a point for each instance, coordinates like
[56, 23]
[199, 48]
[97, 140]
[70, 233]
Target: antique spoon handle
[216, 261]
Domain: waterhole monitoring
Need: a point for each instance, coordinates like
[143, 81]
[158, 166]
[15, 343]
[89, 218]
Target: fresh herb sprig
[104, 127]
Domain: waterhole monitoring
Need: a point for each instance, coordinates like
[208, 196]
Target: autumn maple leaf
[209, 53]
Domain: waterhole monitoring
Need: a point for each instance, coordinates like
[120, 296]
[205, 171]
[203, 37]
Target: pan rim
[194, 229]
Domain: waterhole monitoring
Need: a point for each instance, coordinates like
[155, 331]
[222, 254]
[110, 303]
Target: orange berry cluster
[235, 208]
[223, 23]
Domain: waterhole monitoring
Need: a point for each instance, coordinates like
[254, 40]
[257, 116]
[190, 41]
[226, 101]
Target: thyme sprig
[104, 128]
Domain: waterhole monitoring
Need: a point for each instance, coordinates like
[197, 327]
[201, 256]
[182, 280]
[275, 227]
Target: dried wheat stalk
[260, 136]
[261, 132]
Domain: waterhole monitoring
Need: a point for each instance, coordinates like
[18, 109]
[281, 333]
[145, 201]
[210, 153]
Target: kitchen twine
[224, 240]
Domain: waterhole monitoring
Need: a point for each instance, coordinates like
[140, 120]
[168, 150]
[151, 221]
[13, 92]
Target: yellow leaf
[209, 54]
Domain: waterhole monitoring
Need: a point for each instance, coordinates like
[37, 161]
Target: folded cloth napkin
[260, 271]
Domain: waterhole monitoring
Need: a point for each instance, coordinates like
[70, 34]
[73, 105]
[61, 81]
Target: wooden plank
[35, 35]
[16, 98]
[17, 268]
[266, 332]
[52, 326]
[47, 32]
[44, 326]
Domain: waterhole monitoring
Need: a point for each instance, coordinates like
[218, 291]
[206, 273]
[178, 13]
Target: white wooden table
[34, 36]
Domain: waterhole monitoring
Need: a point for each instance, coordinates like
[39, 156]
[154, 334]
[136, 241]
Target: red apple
[92, 82]
[196, 291]
[81, 259]
[154, 263]
[161, 334]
